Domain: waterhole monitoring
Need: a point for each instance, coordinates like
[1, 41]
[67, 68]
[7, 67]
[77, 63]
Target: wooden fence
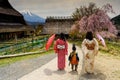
[22, 47]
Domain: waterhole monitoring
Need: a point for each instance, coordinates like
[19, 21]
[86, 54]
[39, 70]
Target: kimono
[73, 58]
[60, 48]
[90, 50]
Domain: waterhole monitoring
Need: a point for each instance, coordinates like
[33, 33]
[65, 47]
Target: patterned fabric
[61, 46]
[61, 52]
[90, 50]
[90, 46]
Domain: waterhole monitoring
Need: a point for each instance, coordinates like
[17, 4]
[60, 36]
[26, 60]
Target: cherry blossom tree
[96, 21]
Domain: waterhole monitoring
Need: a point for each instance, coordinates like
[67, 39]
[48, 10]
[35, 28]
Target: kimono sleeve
[96, 47]
[55, 46]
[66, 48]
[77, 56]
[69, 58]
[83, 47]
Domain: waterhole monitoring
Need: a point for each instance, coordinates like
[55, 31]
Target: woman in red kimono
[60, 48]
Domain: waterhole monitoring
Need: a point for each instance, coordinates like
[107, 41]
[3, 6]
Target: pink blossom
[98, 22]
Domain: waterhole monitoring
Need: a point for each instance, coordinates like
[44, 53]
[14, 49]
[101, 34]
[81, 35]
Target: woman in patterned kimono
[60, 48]
[90, 49]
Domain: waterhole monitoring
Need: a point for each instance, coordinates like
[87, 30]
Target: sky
[45, 8]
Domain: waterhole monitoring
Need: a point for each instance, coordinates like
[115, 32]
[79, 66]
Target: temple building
[58, 24]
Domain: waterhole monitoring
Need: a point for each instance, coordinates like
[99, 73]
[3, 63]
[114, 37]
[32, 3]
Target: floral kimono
[90, 50]
[60, 48]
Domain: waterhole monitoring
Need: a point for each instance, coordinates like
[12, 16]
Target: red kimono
[60, 48]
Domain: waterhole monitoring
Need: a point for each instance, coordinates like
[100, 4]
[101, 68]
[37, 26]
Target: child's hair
[73, 47]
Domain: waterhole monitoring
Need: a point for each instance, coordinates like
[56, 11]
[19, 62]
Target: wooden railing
[22, 47]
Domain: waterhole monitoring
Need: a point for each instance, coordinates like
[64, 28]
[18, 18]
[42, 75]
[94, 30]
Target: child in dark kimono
[73, 58]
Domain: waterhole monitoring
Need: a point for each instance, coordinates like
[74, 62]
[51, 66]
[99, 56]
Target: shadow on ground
[73, 72]
[60, 72]
[49, 72]
[98, 76]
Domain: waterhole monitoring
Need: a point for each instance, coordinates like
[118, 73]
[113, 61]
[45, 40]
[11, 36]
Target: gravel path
[106, 68]
[18, 69]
